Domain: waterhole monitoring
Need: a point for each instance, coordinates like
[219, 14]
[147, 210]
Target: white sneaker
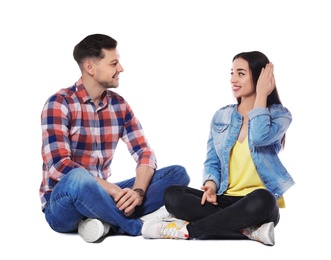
[160, 213]
[171, 228]
[92, 229]
[264, 234]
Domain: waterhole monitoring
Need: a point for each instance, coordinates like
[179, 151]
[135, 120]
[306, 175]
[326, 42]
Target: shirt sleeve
[136, 141]
[56, 153]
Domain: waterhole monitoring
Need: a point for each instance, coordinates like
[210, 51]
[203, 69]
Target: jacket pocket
[219, 132]
[220, 128]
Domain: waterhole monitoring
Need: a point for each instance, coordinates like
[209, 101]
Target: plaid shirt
[76, 134]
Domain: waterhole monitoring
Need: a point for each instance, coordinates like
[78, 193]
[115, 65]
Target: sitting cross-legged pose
[81, 128]
[244, 180]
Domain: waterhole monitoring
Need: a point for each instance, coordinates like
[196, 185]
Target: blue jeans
[78, 196]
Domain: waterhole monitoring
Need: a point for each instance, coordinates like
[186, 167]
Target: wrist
[141, 192]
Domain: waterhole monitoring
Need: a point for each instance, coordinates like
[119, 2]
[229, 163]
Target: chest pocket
[220, 132]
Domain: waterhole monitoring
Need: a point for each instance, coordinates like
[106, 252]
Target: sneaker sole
[269, 238]
[91, 230]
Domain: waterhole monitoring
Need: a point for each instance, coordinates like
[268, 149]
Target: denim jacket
[266, 127]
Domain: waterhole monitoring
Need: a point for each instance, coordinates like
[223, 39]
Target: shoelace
[170, 232]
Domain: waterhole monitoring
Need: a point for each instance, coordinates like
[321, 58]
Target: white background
[177, 59]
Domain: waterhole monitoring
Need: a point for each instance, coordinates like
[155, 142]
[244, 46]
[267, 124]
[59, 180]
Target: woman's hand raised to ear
[266, 82]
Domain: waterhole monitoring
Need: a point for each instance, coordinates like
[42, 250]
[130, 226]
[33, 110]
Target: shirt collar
[84, 95]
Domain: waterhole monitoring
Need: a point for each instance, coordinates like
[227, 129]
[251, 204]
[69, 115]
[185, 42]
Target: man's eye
[114, 64]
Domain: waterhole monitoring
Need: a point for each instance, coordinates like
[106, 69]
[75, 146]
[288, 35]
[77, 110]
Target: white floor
[29, 236]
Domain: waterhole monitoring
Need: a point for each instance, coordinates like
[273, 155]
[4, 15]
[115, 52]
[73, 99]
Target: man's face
[107, 70]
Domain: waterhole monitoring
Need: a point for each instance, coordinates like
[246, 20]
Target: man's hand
[127, 199]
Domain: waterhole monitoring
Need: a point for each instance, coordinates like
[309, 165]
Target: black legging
[224, 221]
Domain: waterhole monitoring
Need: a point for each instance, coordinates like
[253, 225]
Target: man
[81, 127]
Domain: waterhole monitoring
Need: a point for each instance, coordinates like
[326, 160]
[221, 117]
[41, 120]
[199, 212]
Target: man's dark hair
[91, 47]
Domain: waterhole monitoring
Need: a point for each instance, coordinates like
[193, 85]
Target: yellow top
[243, 177]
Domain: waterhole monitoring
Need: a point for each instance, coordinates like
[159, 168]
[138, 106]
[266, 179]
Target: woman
[243, 179]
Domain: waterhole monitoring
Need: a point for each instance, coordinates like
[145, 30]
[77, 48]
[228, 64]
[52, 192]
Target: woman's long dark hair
[256, 61]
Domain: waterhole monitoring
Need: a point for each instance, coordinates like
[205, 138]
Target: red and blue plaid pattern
[76, 133]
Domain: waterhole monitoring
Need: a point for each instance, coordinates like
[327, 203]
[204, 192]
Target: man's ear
[88, 67]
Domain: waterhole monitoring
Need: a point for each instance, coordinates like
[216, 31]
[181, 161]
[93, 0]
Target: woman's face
[241, 79]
